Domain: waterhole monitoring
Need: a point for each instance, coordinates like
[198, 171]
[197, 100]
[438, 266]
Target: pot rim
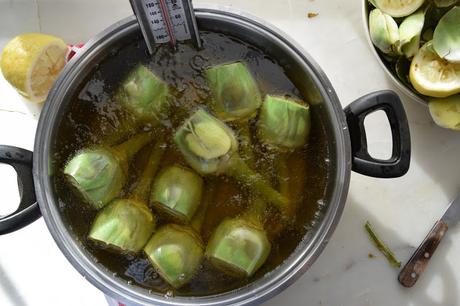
[260, 290]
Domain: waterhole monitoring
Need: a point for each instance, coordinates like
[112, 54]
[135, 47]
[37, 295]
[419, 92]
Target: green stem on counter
[381, 246]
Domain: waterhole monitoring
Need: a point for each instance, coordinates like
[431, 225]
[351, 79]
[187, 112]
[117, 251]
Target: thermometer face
[166, 21]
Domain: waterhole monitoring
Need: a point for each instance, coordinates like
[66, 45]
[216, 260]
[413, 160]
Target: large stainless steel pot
[346, 143]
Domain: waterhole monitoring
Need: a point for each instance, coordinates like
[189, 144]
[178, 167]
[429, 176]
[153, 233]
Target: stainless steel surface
[399, 84]
[308, 78]
[452, 214]
[166, 21]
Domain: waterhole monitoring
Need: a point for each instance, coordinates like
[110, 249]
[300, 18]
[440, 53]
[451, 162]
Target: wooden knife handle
[419, 260]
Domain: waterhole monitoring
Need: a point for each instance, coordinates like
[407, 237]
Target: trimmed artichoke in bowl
[177, 193]
[446, 112]
[425, 53]
[235, 95]
[384, 31]
[410, 32]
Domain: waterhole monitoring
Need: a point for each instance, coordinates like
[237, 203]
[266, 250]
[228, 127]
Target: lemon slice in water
[31, 63]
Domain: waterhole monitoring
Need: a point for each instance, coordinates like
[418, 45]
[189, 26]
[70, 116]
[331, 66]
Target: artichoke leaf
[446, 37]
[445, 3]
[410, 31]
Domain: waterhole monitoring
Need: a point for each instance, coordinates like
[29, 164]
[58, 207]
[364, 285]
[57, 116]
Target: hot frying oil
[94, 118]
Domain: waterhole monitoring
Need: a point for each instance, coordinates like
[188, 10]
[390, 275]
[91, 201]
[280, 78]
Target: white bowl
[416, 97]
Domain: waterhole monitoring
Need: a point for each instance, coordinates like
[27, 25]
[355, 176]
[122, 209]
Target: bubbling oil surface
[94, 118]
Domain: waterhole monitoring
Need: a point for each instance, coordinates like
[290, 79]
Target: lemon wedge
[433, 76]
[31, 63]
[398, 8]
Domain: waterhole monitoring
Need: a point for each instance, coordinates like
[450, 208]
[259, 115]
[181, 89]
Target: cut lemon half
[433, 76]
[31, 63]
[398, 8]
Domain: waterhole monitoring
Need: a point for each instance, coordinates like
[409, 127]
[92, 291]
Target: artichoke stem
[257, 206]
[208, 197]
[142, 190]
[246, 145]
[128, 149]
[239, 170]
[283, 174]
[127, 124]
[256, 211]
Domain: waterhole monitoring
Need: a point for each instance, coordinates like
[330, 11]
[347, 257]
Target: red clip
[72, 50]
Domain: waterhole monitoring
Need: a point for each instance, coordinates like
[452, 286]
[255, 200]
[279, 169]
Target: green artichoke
[410, 32]
[99, 174]
[176, 253]
[445, 3]
[238, 247]
[283, 124]
[210, 147]
[235, 95]
[446, 112]
[384, 31]
[127, 224]
[144, 95]
[177, 192]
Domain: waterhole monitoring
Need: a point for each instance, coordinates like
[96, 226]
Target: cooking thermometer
[166, 21]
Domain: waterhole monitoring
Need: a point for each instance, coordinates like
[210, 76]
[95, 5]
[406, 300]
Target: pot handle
[28, 210]
[362, 162]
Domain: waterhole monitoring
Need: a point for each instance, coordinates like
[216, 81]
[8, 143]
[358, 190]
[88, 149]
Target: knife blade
[452, 214]
[418, 262]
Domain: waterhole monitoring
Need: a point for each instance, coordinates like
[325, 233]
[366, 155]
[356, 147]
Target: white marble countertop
[34, 272]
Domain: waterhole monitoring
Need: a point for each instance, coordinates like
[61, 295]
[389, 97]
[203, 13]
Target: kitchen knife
[419, 260]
